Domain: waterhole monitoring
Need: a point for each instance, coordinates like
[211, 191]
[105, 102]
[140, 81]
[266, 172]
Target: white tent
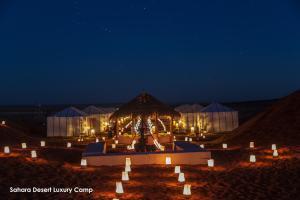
[190, 117]
[67, 123]
[219, 118]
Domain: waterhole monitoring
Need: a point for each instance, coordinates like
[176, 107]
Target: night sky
[107, 51]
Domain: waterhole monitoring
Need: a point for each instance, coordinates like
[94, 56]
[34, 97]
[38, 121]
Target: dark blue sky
[64, 51]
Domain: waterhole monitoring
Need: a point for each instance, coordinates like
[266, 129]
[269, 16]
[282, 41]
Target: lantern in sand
[125, 176]
[6, 150]
[83, 163]
[168, 161]
[274, 147]
[181, 178]
[128, 161]
[225, 146]
[187, 190]
[119, 188]
[69, 145]
[202, 146]
[24, 146]
[113, 146]
[252, 146]
[275, 153]
[252, 158]
[210, 163]
[186, 139]
[43, 143]
[127, 168]
[177, 170]
[33, 154]
[97, 140]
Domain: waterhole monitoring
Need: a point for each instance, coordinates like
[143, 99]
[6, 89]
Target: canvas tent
[190, 117]
[69, 122]
[219, 118]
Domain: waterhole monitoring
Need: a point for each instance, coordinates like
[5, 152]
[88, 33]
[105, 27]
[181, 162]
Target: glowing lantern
[113, 146]
[187, 190]
[186, 139]
[128, 161]
[43, 143]
[168, 161]
[225, 146]
[251, 145]
[116, 141]
[97, 140]
[83, 163]
[125, 176]
[33, 154]
[252, 158]
[119, 188]
[103, 138]
[78, 140]
[181, 178]
[191, 139]
[6, 150]
[275, 153]
[202, 146]
[24, 145]
[69, 145]
[3, 123]
[274, 147]
[127, 168]
[210, 163]
[177, 170]
[204, 136]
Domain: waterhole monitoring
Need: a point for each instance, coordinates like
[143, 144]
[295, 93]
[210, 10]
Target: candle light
[83, 163]
[24, 145]
[69, 145]
[119, 188]
[43, 143]
[181, 178]
[33, 154]
[187, 190]
[168, 161]
[252, 145]
[210, 163]
[125, 176]
[6, 150]
[177, 170]
[116, 141]
[252, 158]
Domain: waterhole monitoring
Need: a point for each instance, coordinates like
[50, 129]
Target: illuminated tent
[190, 117]
[69, 122]
[219, 118]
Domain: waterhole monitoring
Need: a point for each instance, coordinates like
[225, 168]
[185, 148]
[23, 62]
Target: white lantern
[127, 168]
[69, 145]
[6, 150]
[168, 161]
[252, 158]
[103, 138]
[210, 163]
[181, 178]
[97, 140]
[119, 188]
[202, 146]
[252, 145]
[125, 176]
[177, 170]
[274, 147]
[186, 139]
[128, 161]
[113, 146]
[43, 143]
[24, 145]
[225, 146]
[187, 190]
[275, 153]
[116, 141]
[191, 139]
[3, 123]
[33, 154]
[83, 163]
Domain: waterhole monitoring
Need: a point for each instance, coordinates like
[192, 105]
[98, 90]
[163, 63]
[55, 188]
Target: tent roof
[186, 108]
[107, 110]
[216, 107]
[92, 110]
[70, 112]
[144, 104]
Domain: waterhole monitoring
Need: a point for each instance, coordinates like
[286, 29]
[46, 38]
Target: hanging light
[125, 176]
[177, 170]
[33, 154]
[119, 188]
[83, 163]
[187, 190]
[127, 168]
[210, 163]
[181, 178]
[252, 158]
[274, 147]
[43, 143]
[128, 161]
[225, 146]
[252, 146]
[69, 145]
[24, 146]
[168, 161]
[275, 153]
[6, 150]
